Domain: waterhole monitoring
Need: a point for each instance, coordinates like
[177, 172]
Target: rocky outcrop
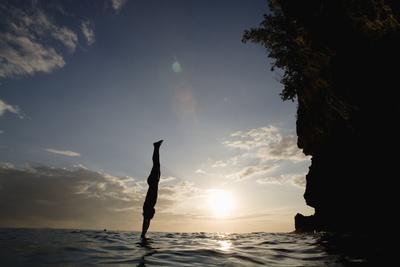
[348, 113]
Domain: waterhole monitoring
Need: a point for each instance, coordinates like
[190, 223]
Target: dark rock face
[348, 113]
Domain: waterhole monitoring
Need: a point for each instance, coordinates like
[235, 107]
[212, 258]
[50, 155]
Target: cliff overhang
[348, 111]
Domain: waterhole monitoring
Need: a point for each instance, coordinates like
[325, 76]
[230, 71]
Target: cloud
[27, 40]
[63, 152]
[266, 144]
[88, 32]
[295, 179]
[44, 196]
[220, 163]
[268, 180]
[199, 171]
[80, 198]
[251, 171]
[65, 36]
[4, 107]
[183, 189]
[259, 152]
[298, 179]
[254, 138]
[22, 56]
[167, 179]
[179, 197]
[118, 4]
[284, 149]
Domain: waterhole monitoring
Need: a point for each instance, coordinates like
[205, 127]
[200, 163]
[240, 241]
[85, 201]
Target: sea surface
[56, 247]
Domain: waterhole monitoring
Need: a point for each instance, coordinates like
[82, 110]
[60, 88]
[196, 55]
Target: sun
[220, 202]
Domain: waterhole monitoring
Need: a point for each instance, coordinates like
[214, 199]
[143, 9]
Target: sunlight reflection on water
[224, 245]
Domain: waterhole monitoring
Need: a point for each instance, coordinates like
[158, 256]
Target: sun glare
[220, 202]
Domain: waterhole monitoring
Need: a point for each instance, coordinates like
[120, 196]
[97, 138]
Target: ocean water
[56, 247]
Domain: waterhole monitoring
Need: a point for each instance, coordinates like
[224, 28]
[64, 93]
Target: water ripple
[50, 247]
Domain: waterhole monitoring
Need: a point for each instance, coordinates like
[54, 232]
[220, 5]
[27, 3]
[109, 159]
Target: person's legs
[156, 153]
[155, 173]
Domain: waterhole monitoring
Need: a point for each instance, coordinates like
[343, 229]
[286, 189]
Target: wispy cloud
[88, 32]
[4, 107]
[267, 143]
[27, 38]
[248, 172]
[261, 153]
[182, 188]
[199, 171]
[295, 179]
[117, 5]
[268, 180]
[65, 36]
[64, 152]
[254, 138]
[178, 196]
[167, 179]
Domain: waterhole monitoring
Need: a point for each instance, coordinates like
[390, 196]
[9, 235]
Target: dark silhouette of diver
[152, 192]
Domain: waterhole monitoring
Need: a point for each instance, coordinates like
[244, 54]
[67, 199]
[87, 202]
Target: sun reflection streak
[224, 242]
[224, 245]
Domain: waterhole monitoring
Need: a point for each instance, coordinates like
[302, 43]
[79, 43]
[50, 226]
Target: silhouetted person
[152, 192]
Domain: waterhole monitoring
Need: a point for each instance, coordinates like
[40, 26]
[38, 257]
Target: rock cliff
[348, 112]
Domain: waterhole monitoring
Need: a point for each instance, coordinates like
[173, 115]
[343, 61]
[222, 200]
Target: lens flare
[185, 103]
[176, 67]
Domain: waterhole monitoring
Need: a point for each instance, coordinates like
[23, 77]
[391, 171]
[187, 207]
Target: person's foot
[158, 143]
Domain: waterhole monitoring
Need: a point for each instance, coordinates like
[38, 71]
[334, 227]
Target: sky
[87, 87]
